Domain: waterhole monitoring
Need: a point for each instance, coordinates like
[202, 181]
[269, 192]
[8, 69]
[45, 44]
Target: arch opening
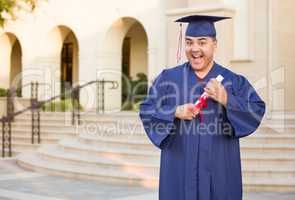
[10, 62]
[127, 54]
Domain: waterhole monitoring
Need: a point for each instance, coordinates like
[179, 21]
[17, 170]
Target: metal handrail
[41, 103]
[34, 108]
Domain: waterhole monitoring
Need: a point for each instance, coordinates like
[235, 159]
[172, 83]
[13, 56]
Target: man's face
[200, 51]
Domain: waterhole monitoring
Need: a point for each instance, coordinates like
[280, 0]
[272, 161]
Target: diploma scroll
[201, 102]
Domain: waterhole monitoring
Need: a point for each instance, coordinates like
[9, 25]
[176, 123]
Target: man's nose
[195, 47]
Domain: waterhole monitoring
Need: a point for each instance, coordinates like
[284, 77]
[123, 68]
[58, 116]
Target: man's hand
[186, 111]
[216, 91]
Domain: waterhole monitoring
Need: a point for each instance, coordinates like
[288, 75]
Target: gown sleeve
[156, 113]
[245, 108]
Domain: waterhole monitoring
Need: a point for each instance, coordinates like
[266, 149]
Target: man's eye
[202, 43]
[189, 43]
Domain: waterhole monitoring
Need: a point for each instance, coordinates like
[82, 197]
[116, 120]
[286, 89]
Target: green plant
[127, 105]
[133, 91]
[136, 106]
[139, 87]
[19, 92]
[60, 106]
[3, 92]
[10, 8]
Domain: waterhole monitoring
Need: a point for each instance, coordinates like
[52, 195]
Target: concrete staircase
[268, 156]
[54, 126]
[101, 152]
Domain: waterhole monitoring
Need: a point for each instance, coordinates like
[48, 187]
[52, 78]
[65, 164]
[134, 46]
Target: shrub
[137, 92]
[3, 92]
[60, 106]
[136, 106]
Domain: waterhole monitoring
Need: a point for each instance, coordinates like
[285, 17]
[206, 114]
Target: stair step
[114, 147]
[119, 138]
[34, 162]
[74, 145]
[268, 174]
[23, 147]
[268, 171]
[277, 128]
[269, 139]
[255, 184]
[270, 148]
[27, 140]
[45, 120]
[125, 176]
[44, 133]
[51, 127]
[127, 142]
[56, 154]
[267, 156]
[47, 123]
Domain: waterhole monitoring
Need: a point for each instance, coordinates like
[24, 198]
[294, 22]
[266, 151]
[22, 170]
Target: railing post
[6, 122]
[75, 96]
[78, 104]
[11, 93]
[6, 137]
[97, 96]
[100, 92]
[35, 113]
[100, 96]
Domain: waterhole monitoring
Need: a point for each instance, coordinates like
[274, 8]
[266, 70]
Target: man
[200, 153]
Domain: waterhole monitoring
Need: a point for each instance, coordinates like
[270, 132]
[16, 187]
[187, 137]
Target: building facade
[73, 41]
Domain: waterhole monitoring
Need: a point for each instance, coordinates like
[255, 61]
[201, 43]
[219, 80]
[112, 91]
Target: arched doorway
[124, 58]
[68, 63]
[134, 66]
[10, 62]
[63, 50]
[16, 66]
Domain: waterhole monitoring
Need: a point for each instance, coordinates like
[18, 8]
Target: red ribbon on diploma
[202, 101]
[200, 104]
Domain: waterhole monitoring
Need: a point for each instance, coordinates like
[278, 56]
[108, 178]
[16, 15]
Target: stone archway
[69, 62]
[63, 51]
[125, 55]
[10, 61]
[134, 63]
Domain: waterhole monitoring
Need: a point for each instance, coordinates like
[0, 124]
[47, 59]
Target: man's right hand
[186, 111]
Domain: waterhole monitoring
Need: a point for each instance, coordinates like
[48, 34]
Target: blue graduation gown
[200, 160]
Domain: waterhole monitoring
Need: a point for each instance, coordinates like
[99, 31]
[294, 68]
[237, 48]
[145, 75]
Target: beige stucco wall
[198, 2]
[283, 54]
[270, 67]
[257, 43]
[90, 22]
[255, 67]
[173, 4]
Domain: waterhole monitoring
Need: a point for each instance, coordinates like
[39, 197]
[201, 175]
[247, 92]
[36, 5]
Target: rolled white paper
[204, 96]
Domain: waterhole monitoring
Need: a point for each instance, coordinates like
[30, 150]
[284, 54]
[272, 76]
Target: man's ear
[215, 42]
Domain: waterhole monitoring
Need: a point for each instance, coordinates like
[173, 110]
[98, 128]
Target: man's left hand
[216, 91]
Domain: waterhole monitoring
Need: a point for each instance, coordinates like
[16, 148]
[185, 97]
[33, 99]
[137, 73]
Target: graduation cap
[198, 26]
[201, 25]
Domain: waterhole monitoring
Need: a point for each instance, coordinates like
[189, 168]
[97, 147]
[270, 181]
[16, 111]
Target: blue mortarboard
[201, 25]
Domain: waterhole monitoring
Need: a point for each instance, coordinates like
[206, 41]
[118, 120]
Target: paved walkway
[18, 184]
